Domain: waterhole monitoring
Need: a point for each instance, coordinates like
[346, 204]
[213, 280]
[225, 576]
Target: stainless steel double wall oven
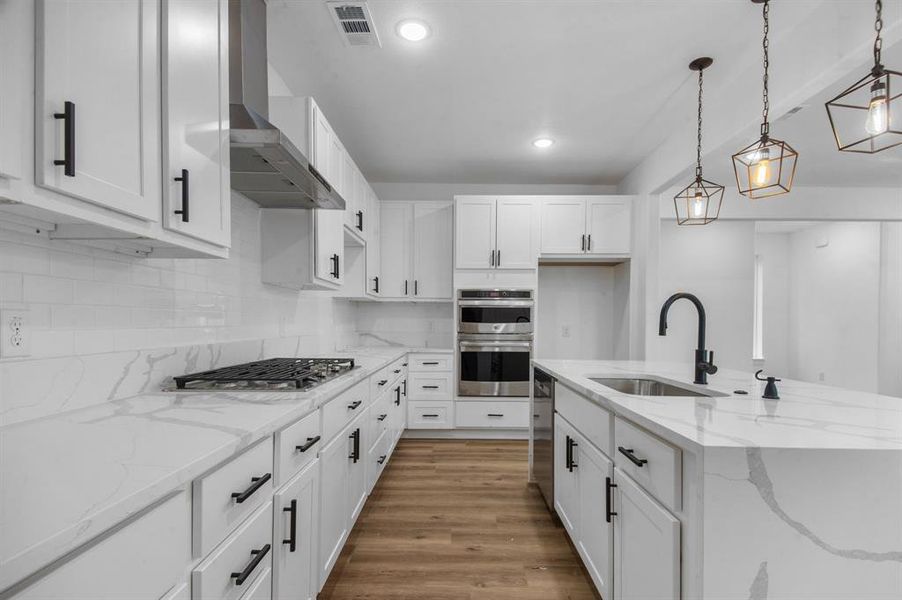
[495, 333]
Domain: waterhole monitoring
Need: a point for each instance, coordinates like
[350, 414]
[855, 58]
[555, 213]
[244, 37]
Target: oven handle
[496, 346]
[496, 304]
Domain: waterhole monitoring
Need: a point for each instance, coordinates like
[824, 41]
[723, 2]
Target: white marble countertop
[807, 416]
[68, 477]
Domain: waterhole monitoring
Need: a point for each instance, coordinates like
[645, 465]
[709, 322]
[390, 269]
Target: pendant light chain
[765, 126]
[698, 153]
[878, 42]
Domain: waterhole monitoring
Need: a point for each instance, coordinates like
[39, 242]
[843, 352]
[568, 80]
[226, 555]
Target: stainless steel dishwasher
[543, 434]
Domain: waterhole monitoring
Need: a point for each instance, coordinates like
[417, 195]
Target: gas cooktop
[291, 374]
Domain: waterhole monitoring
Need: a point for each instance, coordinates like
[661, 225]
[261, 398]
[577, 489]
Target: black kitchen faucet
[704, 360]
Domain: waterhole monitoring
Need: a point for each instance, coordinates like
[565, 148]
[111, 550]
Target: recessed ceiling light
[543, 143]
[413, 31]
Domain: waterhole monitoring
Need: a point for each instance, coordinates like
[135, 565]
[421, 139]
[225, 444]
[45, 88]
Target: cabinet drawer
[377, 458]
[380, 416]
[594, 422]
[379, 382]
[144, 559]
[225, 497]
[396, 369]
[248, 551]
[429, 386]
[498, 414]
[297, 445]
[339, 411]
[655, 464]
[430, 415]
[430, 363]
[261, 588]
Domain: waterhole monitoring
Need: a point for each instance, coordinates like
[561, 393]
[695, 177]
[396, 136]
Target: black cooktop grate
[302, 372]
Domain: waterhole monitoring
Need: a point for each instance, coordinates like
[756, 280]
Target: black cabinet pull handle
[431, 416]
[609, 487]
[383, 382]
[256, 484]
[309, 444]
[68, 117]
[568, 453]
[396, 371]
[398, 396]
[186, 202]
[293, 526]
[496, 414]
[381, 459]
[360, 220]
[589, 242]
[492, 259]
[355, 453]
[404, 383]
[258, 556]
[498, 260]
[416, 287]
[355, 405]
[404, 365]
[571, 444]
[628, 452]
[335, 263]
[381, 417]
[429, 387]
[431, 362]
[405, 287]
[376, 282]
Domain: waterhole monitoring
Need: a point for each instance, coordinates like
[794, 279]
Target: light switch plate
[15, 338]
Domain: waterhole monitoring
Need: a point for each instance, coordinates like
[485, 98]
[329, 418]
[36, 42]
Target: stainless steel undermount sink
[643, 386]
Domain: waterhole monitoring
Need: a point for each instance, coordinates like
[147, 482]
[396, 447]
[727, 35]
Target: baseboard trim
[466, 434]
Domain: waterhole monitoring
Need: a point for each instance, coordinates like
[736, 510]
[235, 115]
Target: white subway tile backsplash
[43, 288]
[11, 288]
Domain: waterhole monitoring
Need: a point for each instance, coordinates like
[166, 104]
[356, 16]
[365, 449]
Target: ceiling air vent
[355, 22]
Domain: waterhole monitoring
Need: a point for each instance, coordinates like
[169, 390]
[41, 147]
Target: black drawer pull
[256, 484]
[628, 452]
[360, 220]
[309, 444]
[430, 416]
[496, 414]
[383, 381]
[609, 487]
[355, 405]
[68, 117]
[381, 459]
[376, 282]
[431, 362]
[293, 526]
[186, 202]
[429, 387]
[398, 396]
[404, 365]
[381, 417]
[396, 371]
[258, 556]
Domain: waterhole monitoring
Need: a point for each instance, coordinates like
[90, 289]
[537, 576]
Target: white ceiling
[464, 106]
[607, 79]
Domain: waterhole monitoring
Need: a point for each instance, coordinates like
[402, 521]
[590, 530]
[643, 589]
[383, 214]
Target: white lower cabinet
[595, 543]
[357, 487]
[261, 588]
[646, 545]
[333, 518]
[294, 533]
[143, 560]
[566, 481]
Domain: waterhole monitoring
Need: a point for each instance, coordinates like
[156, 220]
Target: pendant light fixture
[767, 167]
[699, 202]
[867, 117]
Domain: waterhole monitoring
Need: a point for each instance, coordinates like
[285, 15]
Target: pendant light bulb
[697, 206]
[878, 117]
[761, 168]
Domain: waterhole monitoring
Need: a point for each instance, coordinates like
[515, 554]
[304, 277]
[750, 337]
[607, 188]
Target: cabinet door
[646, 545]
[16, 41]
[373, 245]
[329, 247]
[566, 481]
[195, 119]
[563, 226]
[337, 164]
[320, 143]
[357, 489]
[333, 518]
[104, 58]
[294, 535]
[595, 532]
[396, 223]
[474, 228]
[432, 268]
[518, 232]
[350, 190]
[608, 225]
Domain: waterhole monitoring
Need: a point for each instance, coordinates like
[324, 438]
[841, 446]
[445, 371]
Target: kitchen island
[727, 495]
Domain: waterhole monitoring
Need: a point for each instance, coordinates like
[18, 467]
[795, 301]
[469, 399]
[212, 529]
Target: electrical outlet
[14, 334]
[565, 331]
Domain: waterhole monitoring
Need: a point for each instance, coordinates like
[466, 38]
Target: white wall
[716, 263]
[890, 329]
[580, 312]
[774, 252]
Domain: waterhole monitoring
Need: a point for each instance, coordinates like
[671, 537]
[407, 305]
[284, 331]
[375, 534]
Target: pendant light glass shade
[766, 167]
[699, 202]
[867, 117]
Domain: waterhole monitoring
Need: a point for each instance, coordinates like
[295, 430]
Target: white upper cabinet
[328, 246]
[517, 233]
[563, 226]
[432, 250]
[396, 233]
[475, 233]
[373, 245]
[97, 103]
[608, 225]
[196, 196]
[14, 125]
[596, 225]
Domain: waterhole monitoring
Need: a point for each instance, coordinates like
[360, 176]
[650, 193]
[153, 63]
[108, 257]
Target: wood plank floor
[456, 520]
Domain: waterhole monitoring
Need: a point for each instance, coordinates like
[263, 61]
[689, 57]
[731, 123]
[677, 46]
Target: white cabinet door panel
[475, 233]
[396, 222]
[432, 269]
[104, 57]
[563, 225]
[333, 521]
[518, 232]
[372, 228]
[608, 225]
[328, 246]
[595, 532]
[294, 537]
[566, 481]
[195, 118]
[646, 545]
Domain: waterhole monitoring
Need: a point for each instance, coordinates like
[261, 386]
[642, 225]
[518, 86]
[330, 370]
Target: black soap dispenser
[770, 390]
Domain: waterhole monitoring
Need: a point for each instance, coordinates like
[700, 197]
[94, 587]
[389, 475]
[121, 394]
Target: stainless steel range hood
[266, 166]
